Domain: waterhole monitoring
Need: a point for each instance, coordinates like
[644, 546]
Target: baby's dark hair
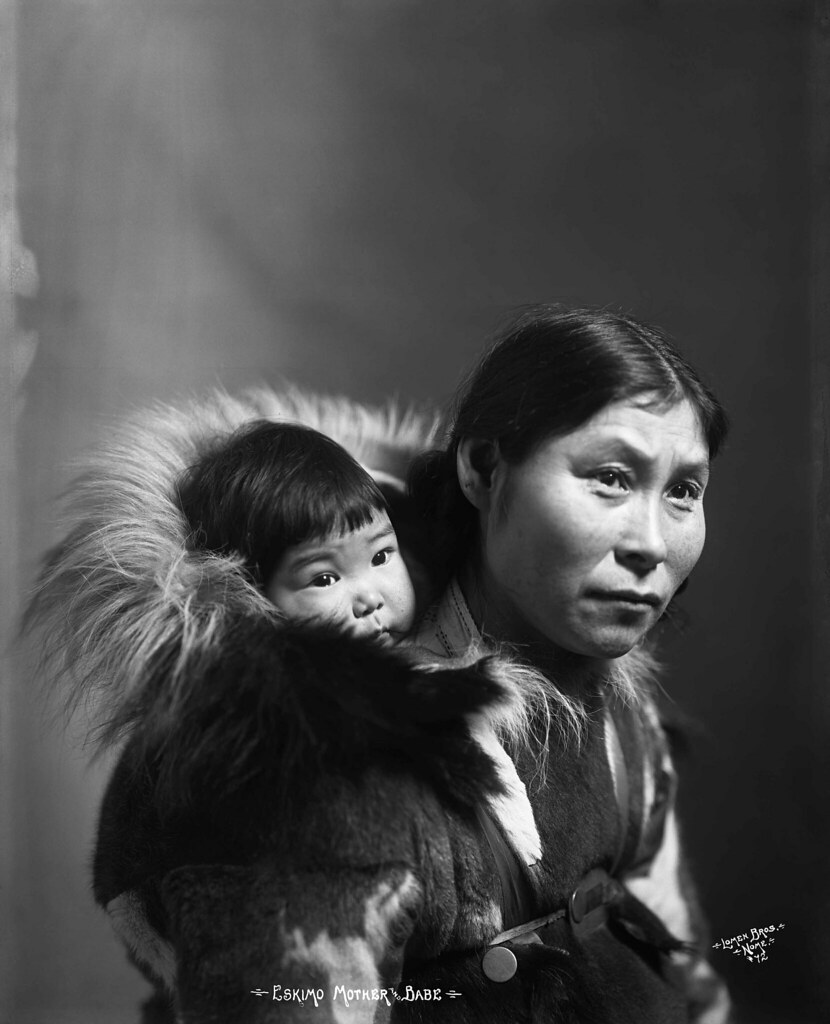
[270, 486]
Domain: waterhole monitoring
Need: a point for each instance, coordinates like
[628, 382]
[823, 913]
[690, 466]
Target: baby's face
[357, 581]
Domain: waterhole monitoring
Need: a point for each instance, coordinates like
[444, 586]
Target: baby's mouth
[383, 638]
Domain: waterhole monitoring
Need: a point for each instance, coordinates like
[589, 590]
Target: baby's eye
[382, 557]
[325, 579]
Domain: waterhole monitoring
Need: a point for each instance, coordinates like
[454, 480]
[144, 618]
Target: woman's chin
[608, 644]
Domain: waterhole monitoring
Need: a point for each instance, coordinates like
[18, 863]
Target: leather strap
[619, 774]
[516, 934]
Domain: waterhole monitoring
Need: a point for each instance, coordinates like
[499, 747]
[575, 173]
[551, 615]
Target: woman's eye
[612, 479]
[382, 557]
[325, 579]
[685, 493]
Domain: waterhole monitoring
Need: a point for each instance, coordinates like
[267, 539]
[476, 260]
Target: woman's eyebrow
[697, 468]
[619, 446]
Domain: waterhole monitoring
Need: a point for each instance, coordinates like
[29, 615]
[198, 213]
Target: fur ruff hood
[123, 600]
[122, 592]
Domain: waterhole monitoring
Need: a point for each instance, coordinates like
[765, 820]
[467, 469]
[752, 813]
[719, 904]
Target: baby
[310, 524]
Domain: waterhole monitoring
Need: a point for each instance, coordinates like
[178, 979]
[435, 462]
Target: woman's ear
[475, 461]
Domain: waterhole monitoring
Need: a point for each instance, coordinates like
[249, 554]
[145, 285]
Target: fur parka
[302, 827]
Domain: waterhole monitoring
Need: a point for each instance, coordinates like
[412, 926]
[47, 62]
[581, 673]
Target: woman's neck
[497, 620]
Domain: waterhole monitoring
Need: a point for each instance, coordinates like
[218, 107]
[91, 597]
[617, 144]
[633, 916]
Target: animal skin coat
[301, 827]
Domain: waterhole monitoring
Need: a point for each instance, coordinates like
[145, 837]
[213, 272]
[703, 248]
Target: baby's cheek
[325, 605]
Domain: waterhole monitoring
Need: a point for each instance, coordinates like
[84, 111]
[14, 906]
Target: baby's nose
[367, 600]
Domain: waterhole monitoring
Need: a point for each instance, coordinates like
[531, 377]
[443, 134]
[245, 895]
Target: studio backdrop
[349, 195]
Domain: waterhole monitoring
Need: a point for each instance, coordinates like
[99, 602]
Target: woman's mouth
[632, 598]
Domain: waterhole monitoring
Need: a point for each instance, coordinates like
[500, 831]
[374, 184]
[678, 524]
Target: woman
[301, 827]
[570, 502]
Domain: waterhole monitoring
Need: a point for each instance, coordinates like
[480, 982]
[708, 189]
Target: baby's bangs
[349, 505]
[331, 501]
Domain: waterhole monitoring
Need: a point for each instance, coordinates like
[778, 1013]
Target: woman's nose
[366, 601]
[642, 545]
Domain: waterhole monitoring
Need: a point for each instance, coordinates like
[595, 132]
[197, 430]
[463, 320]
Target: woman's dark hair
[549, 372]
[270, 486]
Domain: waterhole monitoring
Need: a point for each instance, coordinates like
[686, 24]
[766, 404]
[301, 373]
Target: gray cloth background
[348, 194]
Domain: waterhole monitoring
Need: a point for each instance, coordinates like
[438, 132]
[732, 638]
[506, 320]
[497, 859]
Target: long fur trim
[121, 592]
[281, 706]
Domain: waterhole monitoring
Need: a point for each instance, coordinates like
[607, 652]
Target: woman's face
[585, 542]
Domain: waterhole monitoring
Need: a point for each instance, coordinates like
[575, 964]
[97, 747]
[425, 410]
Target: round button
[499, 963]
